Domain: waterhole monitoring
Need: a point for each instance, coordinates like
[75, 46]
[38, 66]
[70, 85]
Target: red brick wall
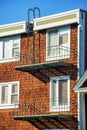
[31, 88]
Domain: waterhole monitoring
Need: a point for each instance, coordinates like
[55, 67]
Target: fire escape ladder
[32, 14]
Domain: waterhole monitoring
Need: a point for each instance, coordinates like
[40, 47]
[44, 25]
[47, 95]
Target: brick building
[42, 75]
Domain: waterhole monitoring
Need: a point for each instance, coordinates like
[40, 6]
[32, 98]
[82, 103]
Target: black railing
[41, 107]
[46, 55]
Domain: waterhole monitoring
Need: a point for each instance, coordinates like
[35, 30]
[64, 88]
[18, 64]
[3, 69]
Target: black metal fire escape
[31, 62]
[39, 69]
[32, 14]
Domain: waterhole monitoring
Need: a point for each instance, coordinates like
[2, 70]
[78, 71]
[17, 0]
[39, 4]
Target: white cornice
[55, 20]
[12, 29]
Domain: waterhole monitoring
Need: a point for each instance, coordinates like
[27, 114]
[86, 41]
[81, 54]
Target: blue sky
[16, 10]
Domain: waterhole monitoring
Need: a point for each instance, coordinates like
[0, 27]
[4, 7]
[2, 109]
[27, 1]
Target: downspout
[78, 75]
[81, 57]
[78, 111]
[79, 65]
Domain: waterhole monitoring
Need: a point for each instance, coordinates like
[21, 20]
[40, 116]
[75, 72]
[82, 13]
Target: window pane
[14, 88]
[15, 52]
[64, 42]
[62, 92]
[15, 43]
[4, 94]
[14, 99]
[14, 96]
[7, 49]
[54, 93]
[63, 39]
[52, 43]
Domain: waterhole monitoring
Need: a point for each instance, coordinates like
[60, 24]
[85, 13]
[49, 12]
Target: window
[9, 94]
[9, 48]
[58, 43]
[60, 93]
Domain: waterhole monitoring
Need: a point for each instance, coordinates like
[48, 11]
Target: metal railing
[46, 55]
[41, 107]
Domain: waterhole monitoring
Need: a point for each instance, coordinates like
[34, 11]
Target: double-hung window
[9, 94]
[9, 48]
[58, 43]
[60, 93]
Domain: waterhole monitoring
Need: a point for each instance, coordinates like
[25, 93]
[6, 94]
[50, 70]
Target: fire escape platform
[39, 70]
[42, 116]
[42, 66]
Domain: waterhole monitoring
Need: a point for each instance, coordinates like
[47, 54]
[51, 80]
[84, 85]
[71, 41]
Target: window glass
[7, 49]
[4, 94]
[63, 39]
[15, 42]
[60, 96]
[15, 49]
[54, 91]
[15, 52]
[62, 92]
[52, 43]
[14, 95]
[14, 88]
[14, 99]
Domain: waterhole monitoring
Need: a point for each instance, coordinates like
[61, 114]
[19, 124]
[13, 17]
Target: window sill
[60, 109]
[57, 58]
[9, 106]
[9, 60]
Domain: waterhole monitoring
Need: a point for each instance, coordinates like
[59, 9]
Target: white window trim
[9, 105]
[10, 59]
[60, 108]
[47, 32]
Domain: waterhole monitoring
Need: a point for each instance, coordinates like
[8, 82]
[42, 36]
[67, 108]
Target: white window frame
[60, 107]
[67, 29]
[9, 104]
[11, 39]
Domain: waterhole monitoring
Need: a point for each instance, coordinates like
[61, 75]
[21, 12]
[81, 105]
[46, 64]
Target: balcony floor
[42, 66]
[42, 116]
[38, 69]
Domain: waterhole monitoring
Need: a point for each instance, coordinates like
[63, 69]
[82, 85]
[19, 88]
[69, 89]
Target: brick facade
[32, 88]
[36, 72]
